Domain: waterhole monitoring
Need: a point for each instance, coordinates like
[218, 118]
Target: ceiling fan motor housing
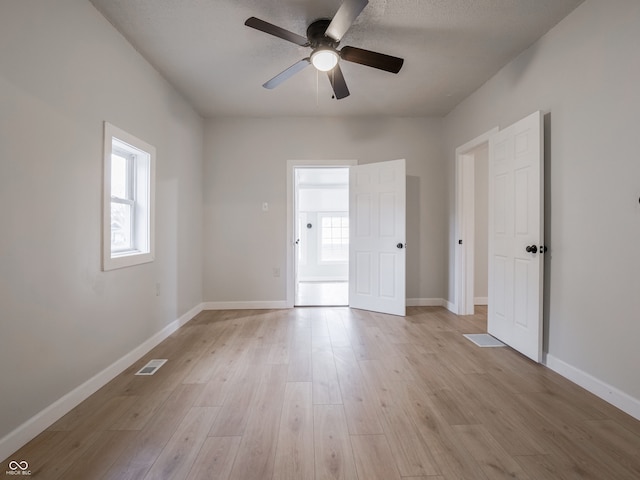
[316, 35]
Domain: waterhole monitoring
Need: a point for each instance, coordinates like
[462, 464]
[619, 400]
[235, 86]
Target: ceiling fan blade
[344, 17]
[372, 59]
[289, 72]
[338, 83]
[271, 29]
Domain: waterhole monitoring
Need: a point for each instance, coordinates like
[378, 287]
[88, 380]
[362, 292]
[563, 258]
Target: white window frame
[129, 198]
[141, 196]
[321, 216]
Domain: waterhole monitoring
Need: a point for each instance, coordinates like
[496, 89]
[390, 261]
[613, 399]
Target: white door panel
[515, 223]
[377, 195]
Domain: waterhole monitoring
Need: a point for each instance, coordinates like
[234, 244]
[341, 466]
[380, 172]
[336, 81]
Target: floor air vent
[484, 340]
[151, 367]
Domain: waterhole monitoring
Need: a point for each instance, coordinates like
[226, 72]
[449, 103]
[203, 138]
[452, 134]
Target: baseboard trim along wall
[426, 302]
[246, 305]
[608, 393]
[452, 307]
[43, 419]
[278, 304]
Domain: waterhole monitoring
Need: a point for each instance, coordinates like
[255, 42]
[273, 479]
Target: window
[128, 199]
[334, 237]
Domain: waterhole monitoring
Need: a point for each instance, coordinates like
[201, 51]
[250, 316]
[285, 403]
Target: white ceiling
[450, 47]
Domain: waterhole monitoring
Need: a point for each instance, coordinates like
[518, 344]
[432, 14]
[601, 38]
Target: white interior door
[516, 236]
[377, 199]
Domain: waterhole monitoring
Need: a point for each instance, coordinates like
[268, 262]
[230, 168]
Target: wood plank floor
[335, 393]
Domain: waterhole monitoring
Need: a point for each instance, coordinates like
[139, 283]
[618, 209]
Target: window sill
[126, 259]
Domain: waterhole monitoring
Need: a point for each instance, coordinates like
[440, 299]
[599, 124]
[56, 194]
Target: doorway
[515, 233]
[322, 236]
[319, 225]
[471, 254]
[376, 245]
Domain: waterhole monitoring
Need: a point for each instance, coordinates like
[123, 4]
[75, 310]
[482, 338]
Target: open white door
[377, 199]
[516, 236]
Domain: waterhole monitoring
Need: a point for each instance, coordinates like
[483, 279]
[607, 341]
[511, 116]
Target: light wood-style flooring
[315, 294]
[335, 393]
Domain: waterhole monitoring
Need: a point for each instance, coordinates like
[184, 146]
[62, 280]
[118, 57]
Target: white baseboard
[612, 395]
[43, 419]
[425, 302]
[278, 304]
[452, 307]
[247, 305]
[481, 301]
[333, 279]
[431, 302]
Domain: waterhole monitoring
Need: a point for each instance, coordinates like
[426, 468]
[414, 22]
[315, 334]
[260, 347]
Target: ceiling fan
[323, 36]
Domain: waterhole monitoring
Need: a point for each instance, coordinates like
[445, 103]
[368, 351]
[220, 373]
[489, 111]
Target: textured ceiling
[450, 47]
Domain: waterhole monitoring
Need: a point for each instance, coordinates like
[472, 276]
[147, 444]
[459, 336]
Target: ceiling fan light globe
[324, 59]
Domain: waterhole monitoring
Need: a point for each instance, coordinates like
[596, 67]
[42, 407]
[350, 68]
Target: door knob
[532, 249]
[400, 245]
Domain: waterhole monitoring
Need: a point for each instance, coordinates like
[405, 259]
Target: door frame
[291, 210]
[465, 223]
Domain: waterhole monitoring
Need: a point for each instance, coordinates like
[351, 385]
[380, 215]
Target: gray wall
[481, 222]
[246, 165]
[584, 74]
[63, 71]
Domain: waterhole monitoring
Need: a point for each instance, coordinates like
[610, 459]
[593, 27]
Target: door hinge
[460, 242]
